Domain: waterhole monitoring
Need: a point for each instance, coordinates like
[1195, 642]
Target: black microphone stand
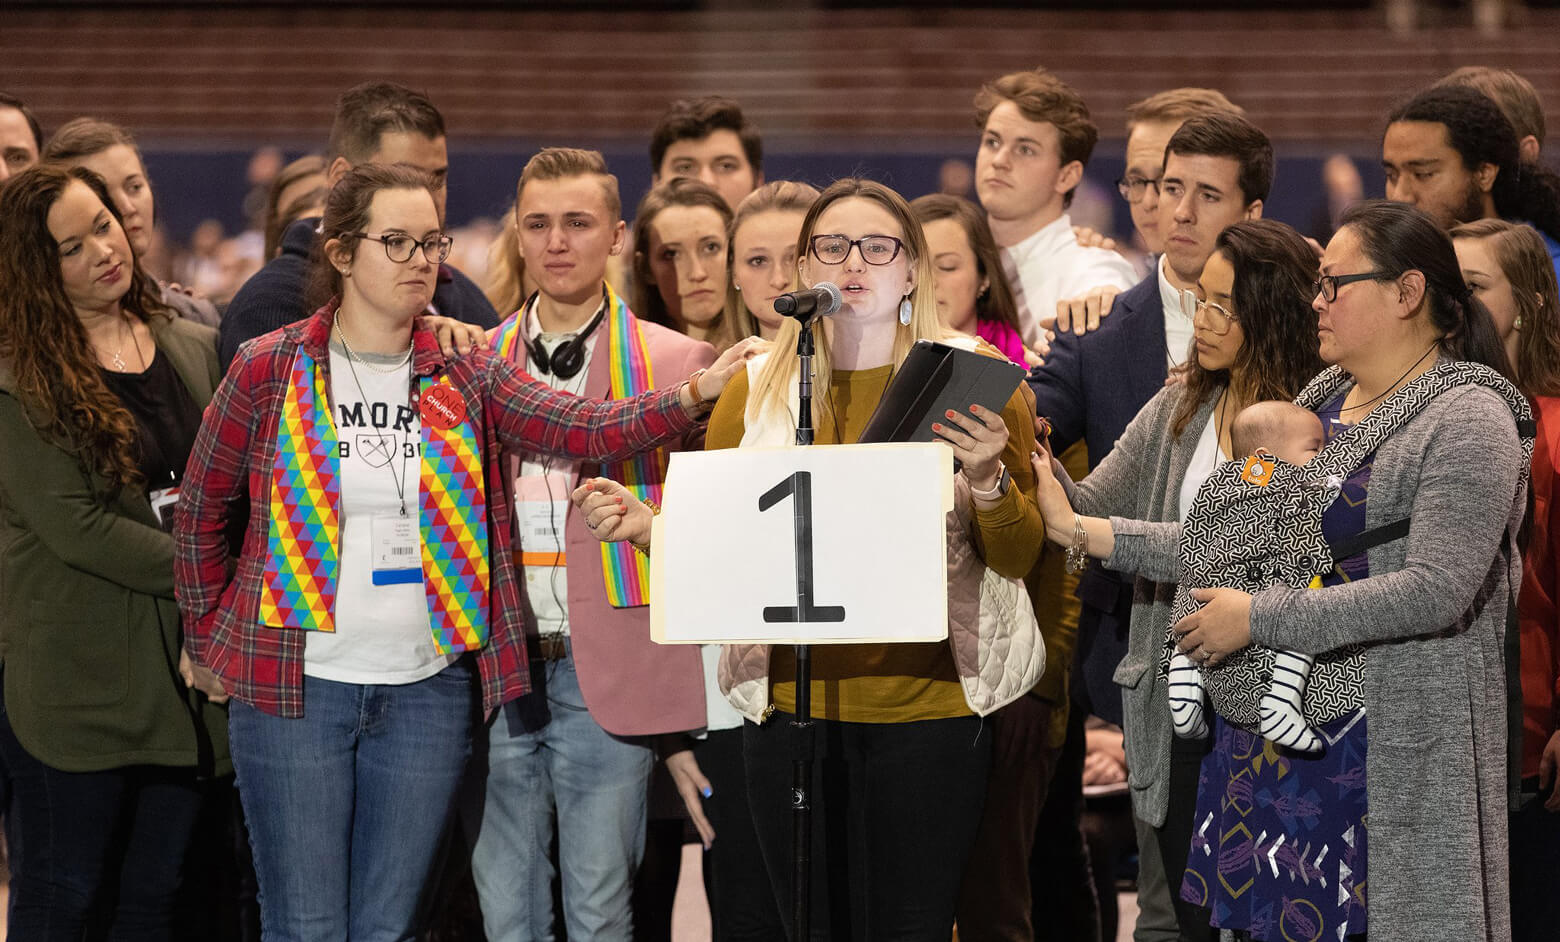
[802, 726]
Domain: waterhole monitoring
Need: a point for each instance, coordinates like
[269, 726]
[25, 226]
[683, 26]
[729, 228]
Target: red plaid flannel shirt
[231, 464]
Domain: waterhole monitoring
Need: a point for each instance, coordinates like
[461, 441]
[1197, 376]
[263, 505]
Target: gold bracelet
[655, 511]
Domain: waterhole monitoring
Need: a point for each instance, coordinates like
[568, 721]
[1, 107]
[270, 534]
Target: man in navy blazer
[1092, 386]
[376, 122]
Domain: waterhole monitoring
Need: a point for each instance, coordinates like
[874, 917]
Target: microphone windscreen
[834, 300]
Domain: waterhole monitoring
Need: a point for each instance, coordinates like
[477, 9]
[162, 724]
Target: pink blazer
[632, 686]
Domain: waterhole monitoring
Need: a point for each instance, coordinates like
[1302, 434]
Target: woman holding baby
[1442, 495]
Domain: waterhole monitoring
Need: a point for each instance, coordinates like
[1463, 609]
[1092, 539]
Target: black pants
[1535, 870]
[1175, 838]
[995, 901]
[111, 841]
[1061, 878]
[895, 810]
[742, 902]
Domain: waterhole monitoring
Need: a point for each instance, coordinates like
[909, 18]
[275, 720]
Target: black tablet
[933, 379]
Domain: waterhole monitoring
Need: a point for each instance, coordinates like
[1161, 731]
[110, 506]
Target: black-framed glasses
[875, 249]
[1132, 188]
[399, 246]
[1219, 317]
[1327, 286]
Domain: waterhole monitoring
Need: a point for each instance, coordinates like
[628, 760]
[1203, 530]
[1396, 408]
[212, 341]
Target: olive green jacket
[89, 631]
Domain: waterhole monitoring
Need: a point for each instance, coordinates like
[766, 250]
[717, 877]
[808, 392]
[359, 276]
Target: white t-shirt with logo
[383, 633]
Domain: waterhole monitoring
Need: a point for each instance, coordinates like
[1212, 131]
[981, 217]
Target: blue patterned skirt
[1279, 841]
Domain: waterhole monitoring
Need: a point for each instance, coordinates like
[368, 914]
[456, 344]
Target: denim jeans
[547, 756]
[76, 837]
[346, 805]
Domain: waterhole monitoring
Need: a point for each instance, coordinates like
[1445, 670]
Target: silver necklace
[352, 354]
[119, 360]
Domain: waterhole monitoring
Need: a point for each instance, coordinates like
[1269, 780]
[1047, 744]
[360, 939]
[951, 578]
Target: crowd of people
[338, 587]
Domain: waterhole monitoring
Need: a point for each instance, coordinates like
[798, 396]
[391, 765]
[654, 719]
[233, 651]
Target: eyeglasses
[1219, 317]
[400, 247]
[1133, 188]
[1327, 286]
[875, 250]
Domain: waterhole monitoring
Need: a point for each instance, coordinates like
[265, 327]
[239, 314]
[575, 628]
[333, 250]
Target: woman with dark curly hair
[1255, 340]
[101, 391]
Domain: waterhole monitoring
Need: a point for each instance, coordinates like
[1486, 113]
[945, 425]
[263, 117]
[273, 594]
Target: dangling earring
[905, 310]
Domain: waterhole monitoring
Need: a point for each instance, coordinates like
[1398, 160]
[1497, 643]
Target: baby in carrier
[1243, 531]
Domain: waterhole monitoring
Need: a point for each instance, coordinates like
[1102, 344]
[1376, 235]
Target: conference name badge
[397, 546]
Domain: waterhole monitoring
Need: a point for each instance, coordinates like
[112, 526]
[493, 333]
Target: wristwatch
[1004, 481]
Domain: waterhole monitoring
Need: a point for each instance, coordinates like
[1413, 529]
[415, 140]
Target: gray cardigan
[1434, 612]
[1138, 485]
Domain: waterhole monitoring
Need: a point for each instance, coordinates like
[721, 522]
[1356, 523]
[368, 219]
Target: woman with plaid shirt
[375, 577]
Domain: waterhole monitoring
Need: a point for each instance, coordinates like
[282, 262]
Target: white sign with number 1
[726, 564]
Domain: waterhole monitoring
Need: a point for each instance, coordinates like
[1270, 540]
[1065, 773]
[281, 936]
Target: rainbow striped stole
[509, 333]
[454, 533]
[298, 587]
[627, 572]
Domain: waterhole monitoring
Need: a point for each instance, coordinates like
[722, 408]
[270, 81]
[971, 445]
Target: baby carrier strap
[1346, 452]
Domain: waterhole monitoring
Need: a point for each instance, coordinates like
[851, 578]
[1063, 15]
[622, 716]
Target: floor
[691, 919]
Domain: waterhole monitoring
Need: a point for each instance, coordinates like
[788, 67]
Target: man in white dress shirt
[1036, 137]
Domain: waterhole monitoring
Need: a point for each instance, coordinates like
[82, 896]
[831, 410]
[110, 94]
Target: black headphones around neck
[566, 361]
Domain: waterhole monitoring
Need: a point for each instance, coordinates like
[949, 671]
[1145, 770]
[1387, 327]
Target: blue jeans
[78, 838]
[546, 754]
[347, 804]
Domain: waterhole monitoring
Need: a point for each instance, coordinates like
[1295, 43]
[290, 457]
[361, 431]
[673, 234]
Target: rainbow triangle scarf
[627, 573]
[298, 589]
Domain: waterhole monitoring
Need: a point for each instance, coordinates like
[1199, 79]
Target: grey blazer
[1434, 613]
[1138, 485]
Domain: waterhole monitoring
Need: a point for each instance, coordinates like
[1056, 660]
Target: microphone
[821, 300]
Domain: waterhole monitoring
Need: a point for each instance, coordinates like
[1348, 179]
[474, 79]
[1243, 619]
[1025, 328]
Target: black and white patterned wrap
[1240, 536]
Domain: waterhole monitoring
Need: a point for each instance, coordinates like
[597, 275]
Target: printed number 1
[799, 488]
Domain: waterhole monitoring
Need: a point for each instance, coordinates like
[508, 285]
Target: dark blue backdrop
[195, 185]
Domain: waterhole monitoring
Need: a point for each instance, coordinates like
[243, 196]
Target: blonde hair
[561, 163]
[772, 388]
[1179, 104]
[783, 196]
[504, 284]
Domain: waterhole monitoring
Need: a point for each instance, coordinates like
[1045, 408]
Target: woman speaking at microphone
[902, 757]
[375, 601]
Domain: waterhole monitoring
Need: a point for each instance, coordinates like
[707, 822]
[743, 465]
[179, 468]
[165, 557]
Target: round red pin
[442, 407]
